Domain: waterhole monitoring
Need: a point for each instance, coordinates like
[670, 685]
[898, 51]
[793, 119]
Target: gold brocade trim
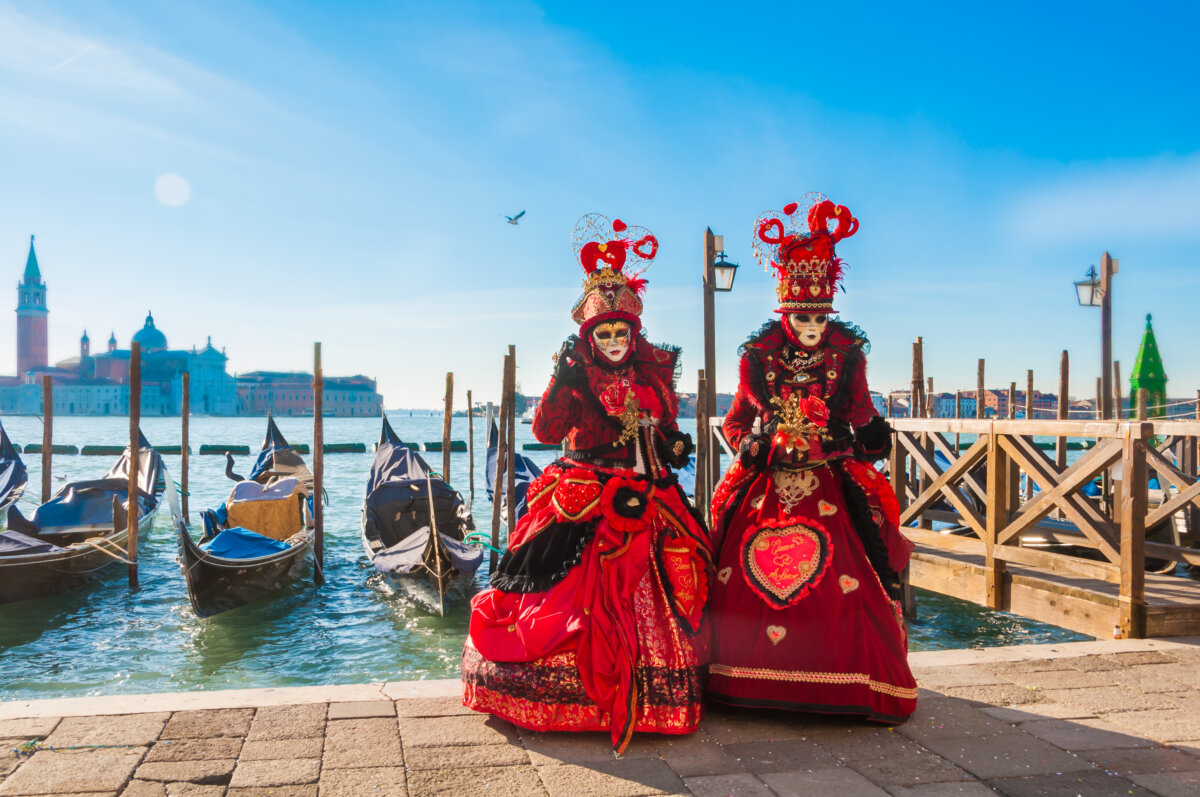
[629, 420]
[793, 486]
[834, 678]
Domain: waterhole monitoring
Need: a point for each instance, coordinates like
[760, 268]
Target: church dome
[150, 338]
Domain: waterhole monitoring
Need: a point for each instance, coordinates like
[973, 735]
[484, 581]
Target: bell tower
[32, 348]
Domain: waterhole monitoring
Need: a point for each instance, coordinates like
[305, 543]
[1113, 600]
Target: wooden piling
[998, 507]
[510, 484]
[1118, 401]
[703, 445]
[47, 433]
[135, 450]
[929, 402]
[185, 412]
[1143, 396]
[957, 415]
[318, 468]
[501, 465]
[1030, 411]
[1012, 400]
[471, 446]
[447, 415]
[892, 397]
[1132, 517]
[979, 401]
[916, 400]
[1099, 398]
[1064, 407]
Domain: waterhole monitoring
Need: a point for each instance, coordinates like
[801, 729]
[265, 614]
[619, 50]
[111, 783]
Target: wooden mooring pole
[510, 482]
[703, 445]
[135, 450]
[501, 464]
[318, 450]
[1064, 408]
[185, 411]
[471, 446]
[1029, 410]
[1118, 401]
[1012, 400]
[447, 417]
[1099, 398]
[47, 433]
[979, 400]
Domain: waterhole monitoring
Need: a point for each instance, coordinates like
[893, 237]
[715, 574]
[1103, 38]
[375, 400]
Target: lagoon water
[104, 639]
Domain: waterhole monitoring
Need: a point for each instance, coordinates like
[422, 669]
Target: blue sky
[348, 167]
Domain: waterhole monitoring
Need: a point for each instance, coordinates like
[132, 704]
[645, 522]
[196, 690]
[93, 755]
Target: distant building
[32, 340]
[291, 393]
[1148, 374]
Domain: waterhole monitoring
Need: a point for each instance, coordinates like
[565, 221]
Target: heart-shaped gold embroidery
[723, 574]
[776, 633]
[814, 289]
[848, 584]
[826, 508]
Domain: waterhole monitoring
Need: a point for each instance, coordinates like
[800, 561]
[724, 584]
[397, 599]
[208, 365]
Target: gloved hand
[568, 367]
[675, 449]
[754, 451]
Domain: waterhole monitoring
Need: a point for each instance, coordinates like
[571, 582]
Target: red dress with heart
[594, 621]
[805, 607]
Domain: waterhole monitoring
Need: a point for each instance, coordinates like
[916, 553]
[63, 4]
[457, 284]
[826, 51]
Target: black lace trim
[860, 514]
[544, 560]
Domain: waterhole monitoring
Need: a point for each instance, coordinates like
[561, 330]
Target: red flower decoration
[624, 503]
[816, 410]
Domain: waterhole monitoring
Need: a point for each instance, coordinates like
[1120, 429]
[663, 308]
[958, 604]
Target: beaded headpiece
[613, 256]
[802, 257]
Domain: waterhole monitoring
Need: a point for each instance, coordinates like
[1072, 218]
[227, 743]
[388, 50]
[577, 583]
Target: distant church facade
[97, 383]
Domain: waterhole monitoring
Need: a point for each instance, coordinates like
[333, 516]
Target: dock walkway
[1093, 718]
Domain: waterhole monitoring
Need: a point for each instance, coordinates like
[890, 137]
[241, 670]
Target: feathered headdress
[607, 250]
[803, 259]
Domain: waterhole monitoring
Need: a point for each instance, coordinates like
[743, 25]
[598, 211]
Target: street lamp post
[1096, 291]
[718, 275]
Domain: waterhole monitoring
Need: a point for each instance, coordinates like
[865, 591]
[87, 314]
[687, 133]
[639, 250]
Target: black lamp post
[1096, 291]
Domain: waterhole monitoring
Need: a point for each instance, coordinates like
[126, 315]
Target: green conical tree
[1148, 373]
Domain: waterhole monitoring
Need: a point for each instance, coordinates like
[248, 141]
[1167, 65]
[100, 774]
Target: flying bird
[514, 219]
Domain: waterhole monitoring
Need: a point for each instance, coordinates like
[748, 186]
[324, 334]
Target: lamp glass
[1089, 292]
[723, 274]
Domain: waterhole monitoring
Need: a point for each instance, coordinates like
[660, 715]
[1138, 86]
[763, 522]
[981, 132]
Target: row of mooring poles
[318, 467]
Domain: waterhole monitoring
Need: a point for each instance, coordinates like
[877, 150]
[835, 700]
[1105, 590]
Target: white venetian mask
[809, 327]
[613, 339]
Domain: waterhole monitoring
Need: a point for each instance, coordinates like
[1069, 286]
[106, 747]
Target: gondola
[525, 472]
[13, 476]
[79, 534]
[414, 525]
[258, 540]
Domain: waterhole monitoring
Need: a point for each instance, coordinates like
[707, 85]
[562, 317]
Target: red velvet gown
[594, 621]
[805, 608]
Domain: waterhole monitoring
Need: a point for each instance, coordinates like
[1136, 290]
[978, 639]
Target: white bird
[514, 219]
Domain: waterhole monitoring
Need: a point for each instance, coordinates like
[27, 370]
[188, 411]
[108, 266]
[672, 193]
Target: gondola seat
[274, 511]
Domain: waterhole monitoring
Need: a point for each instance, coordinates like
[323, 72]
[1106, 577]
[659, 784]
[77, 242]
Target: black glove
[754, 451]
[675, 449]
[873, 440]
[568, 367]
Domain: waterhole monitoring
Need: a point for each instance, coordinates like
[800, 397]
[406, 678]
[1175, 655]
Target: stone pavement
[1087, 718]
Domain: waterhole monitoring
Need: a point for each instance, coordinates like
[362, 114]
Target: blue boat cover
[14, 542]
[406, 556]
[526, 472]
[240, 543]
[278, 459]
[13, 475]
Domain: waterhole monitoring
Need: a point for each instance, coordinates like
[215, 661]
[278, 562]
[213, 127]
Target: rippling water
[106, 640]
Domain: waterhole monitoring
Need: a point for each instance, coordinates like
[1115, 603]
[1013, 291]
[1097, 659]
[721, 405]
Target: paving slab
[270, 774]
[432, 707]
[1107, 699]
[1061, 679]
[273, 723]
[1161, 725]
[698, 755]
[371, 742]
[275, 750]
[612, 778]
[153, 788]
[1005, 694]
[362, 709]
[48, 772]
[212, 772]
[961, 675]
[1150, 678]
[949, 719]
[1011, 754]
[840, 781]
[1102, 663]
[1071, 784]
[299, 790]
[734, 785]
[1085, 734]
[373, 781]
[515, 781]
[1042, 710]
[1143, 761]
[481, 755]
[577, 748]
[1006, 669]
[865, 742]
[207, 723]
[134, 729]
[951, 789]
[910, 767]
[456, 731]
[28, 728]
[194, 749]
[730, 726]
[1170, 784]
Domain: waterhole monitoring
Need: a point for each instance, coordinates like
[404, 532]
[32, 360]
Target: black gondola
[80, 533]
[13, 476]
[402, 496]
[525, 472]
[258, 540]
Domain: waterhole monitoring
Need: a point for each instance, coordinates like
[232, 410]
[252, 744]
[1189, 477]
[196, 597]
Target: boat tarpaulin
[14, 542]
[526, 472]
[240, 543]
[278, 459]
[406, 555]
[13, 475]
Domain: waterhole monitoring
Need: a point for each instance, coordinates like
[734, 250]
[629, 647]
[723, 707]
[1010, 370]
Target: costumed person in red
[594, 621]
[805, 610]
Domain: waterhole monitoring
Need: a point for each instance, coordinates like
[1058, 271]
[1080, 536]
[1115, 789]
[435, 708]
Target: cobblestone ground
[1118, 723]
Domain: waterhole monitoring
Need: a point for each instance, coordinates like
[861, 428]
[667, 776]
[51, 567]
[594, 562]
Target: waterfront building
[32, 339]
[291, 393]
[1148, 374]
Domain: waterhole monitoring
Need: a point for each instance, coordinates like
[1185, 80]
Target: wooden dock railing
[999, 522]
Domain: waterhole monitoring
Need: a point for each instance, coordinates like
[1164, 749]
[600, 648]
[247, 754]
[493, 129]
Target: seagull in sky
[514, 219]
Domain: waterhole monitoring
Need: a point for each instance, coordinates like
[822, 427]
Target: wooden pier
[1017, 531]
